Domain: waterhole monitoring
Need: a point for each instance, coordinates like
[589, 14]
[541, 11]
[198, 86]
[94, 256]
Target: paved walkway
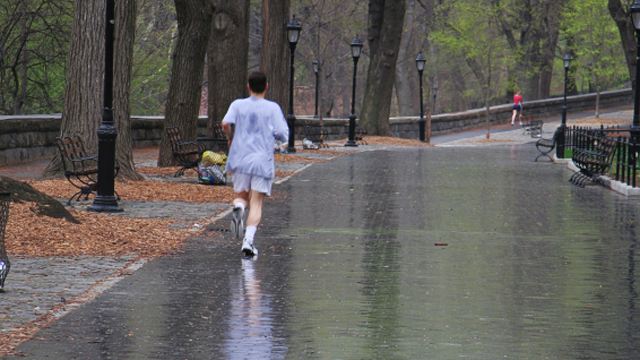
[353, 264]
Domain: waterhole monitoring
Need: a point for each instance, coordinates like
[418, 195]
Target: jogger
[258, 124]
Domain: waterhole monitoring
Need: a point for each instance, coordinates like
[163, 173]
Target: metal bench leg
[180, 172]
[550, 159]
[78, 194]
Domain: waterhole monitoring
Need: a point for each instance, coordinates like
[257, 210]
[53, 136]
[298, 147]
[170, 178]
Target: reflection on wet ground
[533, 268]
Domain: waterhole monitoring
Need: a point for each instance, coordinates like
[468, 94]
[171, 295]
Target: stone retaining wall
[407, 127]
[31, 137]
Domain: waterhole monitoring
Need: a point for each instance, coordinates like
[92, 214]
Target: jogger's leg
[255, 208]
[237, 221]
[253, 219]
[241, 198]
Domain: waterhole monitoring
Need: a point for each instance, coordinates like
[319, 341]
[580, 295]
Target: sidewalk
[348, 266]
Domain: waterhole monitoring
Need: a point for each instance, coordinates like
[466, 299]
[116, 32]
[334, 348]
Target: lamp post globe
[420, 62]
[293, 35]
[356, 50]
[316, 68]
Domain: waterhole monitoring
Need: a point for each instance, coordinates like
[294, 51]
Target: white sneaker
[237, 223]
[248, 249]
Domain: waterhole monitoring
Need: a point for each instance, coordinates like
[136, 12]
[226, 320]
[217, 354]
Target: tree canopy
[527, 40]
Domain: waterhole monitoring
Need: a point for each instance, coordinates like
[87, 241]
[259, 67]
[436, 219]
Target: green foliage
[599, 56]
[156, 30]
[34, 41]
[469, 32]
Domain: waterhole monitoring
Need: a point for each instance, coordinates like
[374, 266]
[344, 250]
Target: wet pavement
[388, 253]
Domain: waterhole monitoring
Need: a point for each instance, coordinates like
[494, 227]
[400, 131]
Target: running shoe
[237, 223]
[248, 249]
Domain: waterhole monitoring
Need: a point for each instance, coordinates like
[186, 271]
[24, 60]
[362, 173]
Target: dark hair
[257, 81]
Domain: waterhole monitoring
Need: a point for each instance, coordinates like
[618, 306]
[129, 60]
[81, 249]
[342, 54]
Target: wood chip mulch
[385, 140]
[100, 235]
[147, 190]
[30, 235]
[295, 158]
[283, 174]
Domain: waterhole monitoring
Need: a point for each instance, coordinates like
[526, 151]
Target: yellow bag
[211, 158]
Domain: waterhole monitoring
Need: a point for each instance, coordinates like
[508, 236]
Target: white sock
[239, 205]
[250, 232]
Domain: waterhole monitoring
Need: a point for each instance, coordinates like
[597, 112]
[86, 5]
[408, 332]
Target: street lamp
[420, 62]
[356, 50]
[566, 62]
[315, 70]
[105, 201]
[293, 34]
[635, 17]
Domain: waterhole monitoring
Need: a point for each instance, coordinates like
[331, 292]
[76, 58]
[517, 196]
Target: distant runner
[517, 107]
[258, 123]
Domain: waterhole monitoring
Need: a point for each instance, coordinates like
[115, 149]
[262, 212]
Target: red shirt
[517, 99]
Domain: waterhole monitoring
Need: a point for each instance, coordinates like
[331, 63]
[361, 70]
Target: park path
[395, 253]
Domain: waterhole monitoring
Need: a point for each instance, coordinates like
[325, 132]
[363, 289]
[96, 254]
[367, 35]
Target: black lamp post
[566, 62]
[316, 64]
[420, 62]
[105, 201]
[356, 50]
[293, 34]
[635, 17]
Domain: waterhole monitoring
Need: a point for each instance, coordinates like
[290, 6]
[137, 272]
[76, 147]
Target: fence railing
[625, 160]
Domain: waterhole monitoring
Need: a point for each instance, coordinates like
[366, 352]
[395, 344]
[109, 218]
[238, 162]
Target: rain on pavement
[412, 253]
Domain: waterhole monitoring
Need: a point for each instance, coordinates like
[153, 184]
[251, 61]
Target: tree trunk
[228, 57]
[435, 106]
[488, 79]
[572, 88]
[625, 27]
[125, 32]
[547, 58]
[386, 18]
[275, 50]
[82, 109]
[21, 86]
[187, 72]
[405, 90]
[597, 98]
[536, 21]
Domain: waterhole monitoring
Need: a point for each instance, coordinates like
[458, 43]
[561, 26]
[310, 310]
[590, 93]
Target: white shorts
[245, 182]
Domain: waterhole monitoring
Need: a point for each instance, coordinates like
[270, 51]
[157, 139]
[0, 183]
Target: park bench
[217, 143]
[533, 127]
[80, 168]
[546, 146]
[316, 134]
[360, 133]
[593, 155]
[5, 264]
[186, 153]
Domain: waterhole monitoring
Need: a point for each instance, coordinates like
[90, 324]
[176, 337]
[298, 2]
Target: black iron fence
[625, 160]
